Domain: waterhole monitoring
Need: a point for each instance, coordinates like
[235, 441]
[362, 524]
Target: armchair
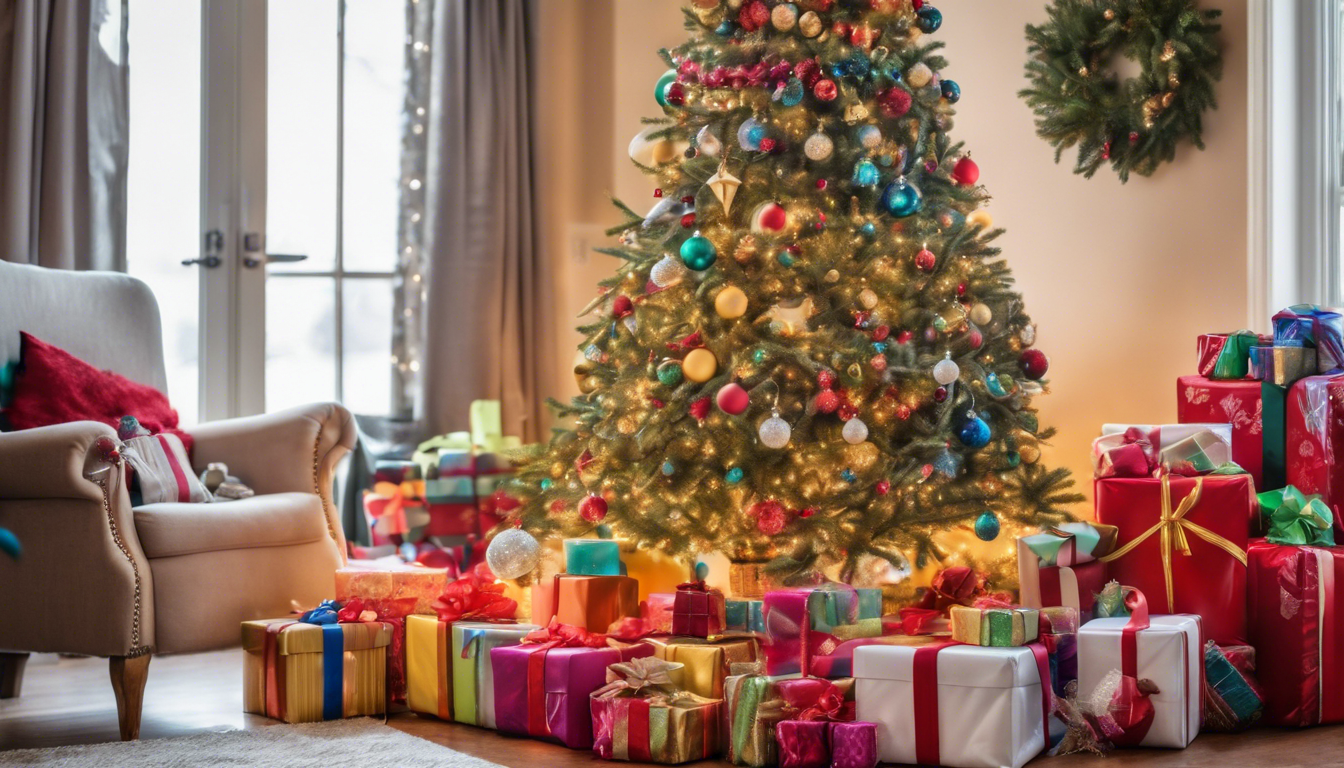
[101, 578]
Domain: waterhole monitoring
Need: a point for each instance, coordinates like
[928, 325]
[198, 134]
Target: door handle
[274, 258]
[209, 262]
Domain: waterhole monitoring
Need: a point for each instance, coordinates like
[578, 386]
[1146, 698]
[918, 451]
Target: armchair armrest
[291, 450]
[49, 462]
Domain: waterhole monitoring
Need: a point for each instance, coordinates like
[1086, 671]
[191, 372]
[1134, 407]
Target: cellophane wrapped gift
[1309, 325]
[755, 704]
[641, 715]
[1315, 429]
[1226, 355]
[698, 611]
[1137, 450]
[803, 623]
[1059, 635]
[1182, 542]
[449, 670]
[744, 615]
[591, 602]
[704, 663]
[995, 626]
[592, 557]
[542, 687]
[1232, 699]
[301, 673]
[1118, 656]
[1238, 402]
[1059, 566]
[394, 590]
[811, 705]
[955, 705]
[656, 611]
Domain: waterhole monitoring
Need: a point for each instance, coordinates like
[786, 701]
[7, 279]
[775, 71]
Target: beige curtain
[63, 143]
[481, 314]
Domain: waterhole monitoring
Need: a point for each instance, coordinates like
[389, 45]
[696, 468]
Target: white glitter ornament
[775, 432]
[1027, 335]
[946, 371]
[855, 431]
[513, 553]
[818, 147]
[667, 272]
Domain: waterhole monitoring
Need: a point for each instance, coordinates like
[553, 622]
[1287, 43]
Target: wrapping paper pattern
[302, 673]
[1315, 430]
[853, 745]
[656, 611]
[803, 743]
[1226, 355]
[706, 664]
[661, 728]
[1282, 366]
[388, 586]
[1232, 700]
[1296, 630]
[1308, 325]
[1059, 635]
[449, 674]
[809, 622]
[1200, 400]
[997, 627]
[591, 602]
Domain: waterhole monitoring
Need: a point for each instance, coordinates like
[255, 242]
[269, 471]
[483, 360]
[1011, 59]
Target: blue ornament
[995, 386]
[869, 229]
[974, 433]
[660, 88]
[1014, 458]
[785, 258]
[546, 484]
[947, 463]
[668, 468]
[987, 526]
[793, 93]
[848, 475]
[930, 19]
[734, 475]
[701, 570]
[870, 136]
[758, 356]
[698, 253]
[724, 29]
[901, 198]
[951, 91]
[750, 134]
[9, 543]
[879, 346]
[866, 174]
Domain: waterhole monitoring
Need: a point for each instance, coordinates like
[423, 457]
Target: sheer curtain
[63, 146]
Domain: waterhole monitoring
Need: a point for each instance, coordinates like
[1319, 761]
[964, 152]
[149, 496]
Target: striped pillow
[163, 470]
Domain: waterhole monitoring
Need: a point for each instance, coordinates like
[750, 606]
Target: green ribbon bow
[1295, 519]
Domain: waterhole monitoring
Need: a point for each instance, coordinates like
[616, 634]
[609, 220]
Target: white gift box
[990, 712]
[1170, 653]
[1170, 434]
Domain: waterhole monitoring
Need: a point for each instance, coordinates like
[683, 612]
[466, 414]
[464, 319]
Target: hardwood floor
[70, 701]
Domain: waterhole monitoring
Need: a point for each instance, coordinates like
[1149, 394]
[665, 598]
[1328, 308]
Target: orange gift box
[591, 602]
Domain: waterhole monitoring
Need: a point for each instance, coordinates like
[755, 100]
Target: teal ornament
[546, 484]
[603, 531]
[668, 468]
[1014, 458]
[848, 475]
[785, 258]
[724, 29]
[660, 88]
[701, 570]
[869, 229]
[879, 346]
[750, 134]
[974, 433]
[947, 463]
[734, 475]
[698, 253]
[901, 198]
[930, 19]
[792, 94]
[758, 356]
[951, 91]
[866, 174]
[987, 526]
[995, 386]
[9, 543]
[669, 373]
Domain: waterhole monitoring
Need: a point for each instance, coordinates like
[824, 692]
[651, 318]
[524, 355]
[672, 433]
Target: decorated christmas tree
[811, 352]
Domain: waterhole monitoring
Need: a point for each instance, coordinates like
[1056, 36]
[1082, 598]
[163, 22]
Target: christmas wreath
[1134, 123]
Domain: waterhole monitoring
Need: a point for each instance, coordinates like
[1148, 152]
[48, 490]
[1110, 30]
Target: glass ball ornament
[987, 526]
[546, 483]
[855, 431]
[940, 394]
[930, 19]
[870, 137]
[995, 385]
[945, 371]
[791, 95]
[1014, 458]
[947, 463]
[981, 314]
[708, 144]
[667, 272]
[974, 432]
[1033, 363]
[866, 174]
[734, 475]
[700, 365]
[919, 75]
[698, 253]
[951, 91]
[732, 398]
[660, 88]
[725, 28]
[818, 147]
[901, 198]
[966, 173]
[513, 553]
[769, 217]
[926, 260]
[593, 508]
[670, 373]
[869, 229]
[750, 134]
[775, 432]
[731, 303]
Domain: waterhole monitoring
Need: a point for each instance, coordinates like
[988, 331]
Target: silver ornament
[818, 147]
[775, 432]
[667, 272]
[1027, 335]
[855, 431]
[513, 553]
[946, 371]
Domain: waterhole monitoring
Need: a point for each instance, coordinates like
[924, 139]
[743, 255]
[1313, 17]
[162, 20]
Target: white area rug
[357, 741]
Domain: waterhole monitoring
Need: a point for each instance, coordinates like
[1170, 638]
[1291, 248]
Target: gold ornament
[700, 365]
[746, 249]
[810, 24]
[724, 186]
[1168, 52]
[855, 113]
[868, 298]
[980, 218]
[731, 303]
[1109, 14]
[981, 314]
[861, 457]
[832, 276]
[919, 75]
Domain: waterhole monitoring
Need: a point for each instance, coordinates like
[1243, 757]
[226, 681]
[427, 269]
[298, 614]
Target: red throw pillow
[55, 387]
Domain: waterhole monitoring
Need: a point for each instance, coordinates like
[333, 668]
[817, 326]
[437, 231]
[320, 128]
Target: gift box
[803, 743]
[1232, 700]
[449, 673]
[1059, 634]
[955, 705]
[450, 490]
[1308, 325]
[1296, 630]
[806, 622]
[640, 715]
[744, 615]
[592, 557]
[997, 627]
[755, 704]
[394, 509]
[704, 664]
[853, 745]
[1281, 366]
[1226, 355]
[1166, 650]
[656, 611]
[1240, 402]
[542, 687]
[591, 602]
[300, 673]
[1182, 542]
[395, 471]
[1057, 567]
[391, 587]
[1315, 429]
[698, 611]
[1141, 450]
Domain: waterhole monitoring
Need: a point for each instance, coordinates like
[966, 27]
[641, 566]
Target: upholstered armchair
[102, 578]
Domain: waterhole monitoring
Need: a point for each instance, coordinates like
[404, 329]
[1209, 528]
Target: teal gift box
[592, 557]
[744, 615]
[831, 608]
[450, 490]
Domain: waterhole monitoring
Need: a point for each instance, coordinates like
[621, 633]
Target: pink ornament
[733, 399]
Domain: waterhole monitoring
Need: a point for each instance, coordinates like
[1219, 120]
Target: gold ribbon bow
[638, 674]
[1172, 527]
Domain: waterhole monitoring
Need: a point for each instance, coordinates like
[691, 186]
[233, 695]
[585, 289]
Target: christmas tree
[811, 352]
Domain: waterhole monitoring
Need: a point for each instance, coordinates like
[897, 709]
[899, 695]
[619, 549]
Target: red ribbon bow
[557, 635]
[816, 699]
[475, 597]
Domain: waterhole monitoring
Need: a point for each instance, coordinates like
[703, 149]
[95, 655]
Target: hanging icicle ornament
[774, 431]
[724, 185]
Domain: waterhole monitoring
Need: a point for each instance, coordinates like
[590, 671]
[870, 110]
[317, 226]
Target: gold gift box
[706, 661]
[297, 693]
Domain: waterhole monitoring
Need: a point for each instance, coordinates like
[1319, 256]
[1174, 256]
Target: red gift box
[456, 519]
[1200, 400]
[1315, 430]
[1183, 541]
[1296, 627]
[698, 611]
[1075, 586]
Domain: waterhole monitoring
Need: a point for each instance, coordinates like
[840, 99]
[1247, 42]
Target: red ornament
[916, 4]
[864, 36]
[699, 408]
[656, 403]
[904, 337]
[881, 332]
[847, 411]
[688, 199]
[894, 102]
[976, 338]
[1033, 363]
[732, 398]
[827, 401]
[841, 29]
[961, 289]
[965, 172]
[657, 193]
[767, 145]
[926, 260]
[879, 362]
[772, 218]
[770, 516]
[805, 513]
[688, 220]
[622, 306]
[593, 508]
[557, 506]
[675, 94]
[753, 15]
[940, 394]
[861, 318]
[931, 334]
[1134, 137]
[825, 90]
[821, 183]
[883, 486]
[808, 71]
[903, 412]
[584, 460]
[688, 71]
[826, 378]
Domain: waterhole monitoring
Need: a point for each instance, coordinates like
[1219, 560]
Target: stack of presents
[1201, 598]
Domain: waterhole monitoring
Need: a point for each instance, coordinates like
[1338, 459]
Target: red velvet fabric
[55, 387]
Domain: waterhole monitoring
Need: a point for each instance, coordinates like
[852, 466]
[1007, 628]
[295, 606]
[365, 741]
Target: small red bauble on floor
[1033, 363]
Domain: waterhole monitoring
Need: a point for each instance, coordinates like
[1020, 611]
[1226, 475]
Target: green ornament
[660, 89]
[1014, 458]
[785, 258]
[758, 356]
[546, 484]
[987, 526]
[698, 253]
[669, 373]
[939, 324]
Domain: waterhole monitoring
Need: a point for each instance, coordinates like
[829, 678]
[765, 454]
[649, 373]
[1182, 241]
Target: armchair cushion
[273, 520]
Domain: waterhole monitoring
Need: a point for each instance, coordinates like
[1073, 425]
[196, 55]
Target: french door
[265, 194]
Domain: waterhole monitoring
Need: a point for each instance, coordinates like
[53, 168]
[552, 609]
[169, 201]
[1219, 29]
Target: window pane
[300, 341]
[368, 346]
[301, 131]
[164, 180]
[375, 39]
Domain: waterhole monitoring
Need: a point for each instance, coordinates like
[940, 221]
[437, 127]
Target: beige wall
[1119, 278]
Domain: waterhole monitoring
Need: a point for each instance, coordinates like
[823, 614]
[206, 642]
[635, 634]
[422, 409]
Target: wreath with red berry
[1133, 123]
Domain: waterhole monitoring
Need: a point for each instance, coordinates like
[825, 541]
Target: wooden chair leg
[128, 682]
[11, 674]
